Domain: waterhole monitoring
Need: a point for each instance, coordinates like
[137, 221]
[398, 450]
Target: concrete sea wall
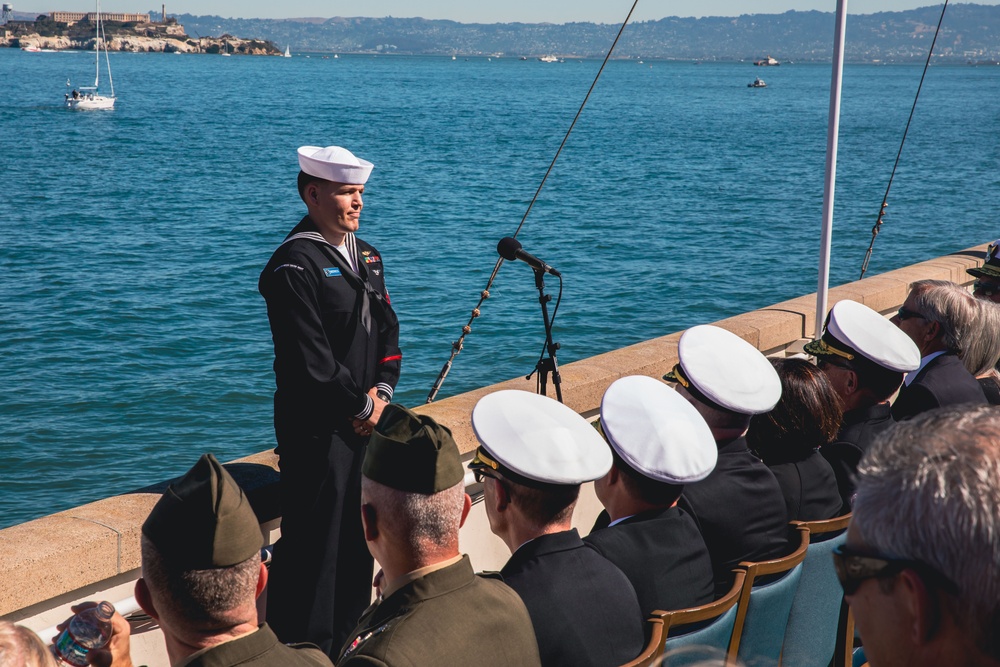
[92, 551]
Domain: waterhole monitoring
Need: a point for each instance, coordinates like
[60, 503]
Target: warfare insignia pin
[366, 252]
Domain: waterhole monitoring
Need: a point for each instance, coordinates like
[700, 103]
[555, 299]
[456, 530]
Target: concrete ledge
[71, 550]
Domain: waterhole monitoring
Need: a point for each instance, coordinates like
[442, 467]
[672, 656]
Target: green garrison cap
[204, 520]
[412, 453]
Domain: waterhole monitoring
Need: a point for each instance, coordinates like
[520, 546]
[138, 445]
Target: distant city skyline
[509, 11]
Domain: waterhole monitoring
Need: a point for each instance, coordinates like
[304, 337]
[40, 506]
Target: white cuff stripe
[369, 408]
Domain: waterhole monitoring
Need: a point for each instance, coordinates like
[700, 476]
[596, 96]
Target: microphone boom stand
[546, 364]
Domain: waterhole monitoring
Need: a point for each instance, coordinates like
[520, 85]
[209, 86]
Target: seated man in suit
[921, 567]
[533, 456]
[938, 316]
[659, 443]
[865, 356]
[433, 609]
[739, 506]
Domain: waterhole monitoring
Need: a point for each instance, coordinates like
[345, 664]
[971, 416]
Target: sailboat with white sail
[89, 97]
[288, 51]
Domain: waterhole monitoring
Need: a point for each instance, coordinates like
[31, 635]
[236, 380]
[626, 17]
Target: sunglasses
[480, 474]
[985, 287]
[855, 567]
[905, 313]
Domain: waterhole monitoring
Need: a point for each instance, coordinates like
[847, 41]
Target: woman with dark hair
[787, 439]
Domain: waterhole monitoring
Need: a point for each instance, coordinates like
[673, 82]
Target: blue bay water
[132, 337]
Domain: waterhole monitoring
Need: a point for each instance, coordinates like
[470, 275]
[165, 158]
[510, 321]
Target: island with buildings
[65, 30]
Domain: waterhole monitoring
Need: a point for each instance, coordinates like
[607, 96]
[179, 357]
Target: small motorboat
[757, 83]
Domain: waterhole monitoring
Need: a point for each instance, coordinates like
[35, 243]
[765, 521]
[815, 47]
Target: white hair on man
[952, 307]
[928, 492]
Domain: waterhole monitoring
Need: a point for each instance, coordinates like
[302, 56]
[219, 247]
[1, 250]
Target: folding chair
[763, 610]
[811, 636]
[713, 626]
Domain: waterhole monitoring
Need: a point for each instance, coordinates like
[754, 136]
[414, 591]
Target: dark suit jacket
[943, 381]
[451, 618]
[663, 555]
[583, 608]
[261, 649]
[740, 511]
[859, 430]
[809, 487]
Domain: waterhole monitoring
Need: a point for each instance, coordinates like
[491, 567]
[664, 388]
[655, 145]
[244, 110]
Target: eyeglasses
[480, 474]
[985, 287]
[855, 567]
[905, 313]
[824, 362]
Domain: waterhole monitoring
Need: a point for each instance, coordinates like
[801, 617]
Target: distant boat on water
[548, 59]
[766, 61]
[757, 83]
[89, 97]
[288, 52]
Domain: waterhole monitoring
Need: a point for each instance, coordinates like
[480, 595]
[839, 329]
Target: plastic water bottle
[89, 629]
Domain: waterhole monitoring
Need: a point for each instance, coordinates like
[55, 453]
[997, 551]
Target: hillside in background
[969, 32]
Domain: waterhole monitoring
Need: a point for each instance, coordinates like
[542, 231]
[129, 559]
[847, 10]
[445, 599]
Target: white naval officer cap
[656, 431]
[718, 367]
[334, 163]
[853, 329]
[535, 440]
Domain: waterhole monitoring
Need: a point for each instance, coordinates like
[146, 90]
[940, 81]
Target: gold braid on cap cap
[679, 375]
[482, 459]
[818, 347]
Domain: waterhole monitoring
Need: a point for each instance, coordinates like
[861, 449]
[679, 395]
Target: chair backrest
[653, 649]
[762, 613]
[713, 623]
[811, 635]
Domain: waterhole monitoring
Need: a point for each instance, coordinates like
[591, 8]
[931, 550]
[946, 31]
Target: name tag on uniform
[331, 272]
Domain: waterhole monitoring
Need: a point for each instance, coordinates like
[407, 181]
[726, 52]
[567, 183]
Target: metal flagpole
[830, 181]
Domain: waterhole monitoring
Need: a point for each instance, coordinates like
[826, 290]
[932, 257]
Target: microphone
[510, 248]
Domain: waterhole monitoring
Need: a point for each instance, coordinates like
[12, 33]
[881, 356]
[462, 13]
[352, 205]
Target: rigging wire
[457, 346]
[885, 199]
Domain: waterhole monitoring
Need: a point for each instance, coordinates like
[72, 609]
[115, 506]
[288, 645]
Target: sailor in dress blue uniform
[533, 456]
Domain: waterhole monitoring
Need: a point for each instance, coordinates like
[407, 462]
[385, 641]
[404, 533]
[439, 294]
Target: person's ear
[933, 330]
[369, 520]
[466, 506]
[921, 605]
[145, 599]
[261, 580]
[502, 496]
[312, 193]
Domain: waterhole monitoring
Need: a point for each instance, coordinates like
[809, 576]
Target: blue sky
[466, 11]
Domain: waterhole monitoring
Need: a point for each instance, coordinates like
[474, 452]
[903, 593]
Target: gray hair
[423, 522]
[207, 599]
[21, 647]
[951, 306]
[928, 491]
[983, 349]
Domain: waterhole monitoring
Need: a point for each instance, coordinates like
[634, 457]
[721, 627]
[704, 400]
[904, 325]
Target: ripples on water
[133, 338]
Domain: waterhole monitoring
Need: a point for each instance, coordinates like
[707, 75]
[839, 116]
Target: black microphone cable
[457, 346]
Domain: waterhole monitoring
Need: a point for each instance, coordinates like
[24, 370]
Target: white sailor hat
[532, 440]
[854, 329]
[656, 431]
[718, 367]
[334, 163]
